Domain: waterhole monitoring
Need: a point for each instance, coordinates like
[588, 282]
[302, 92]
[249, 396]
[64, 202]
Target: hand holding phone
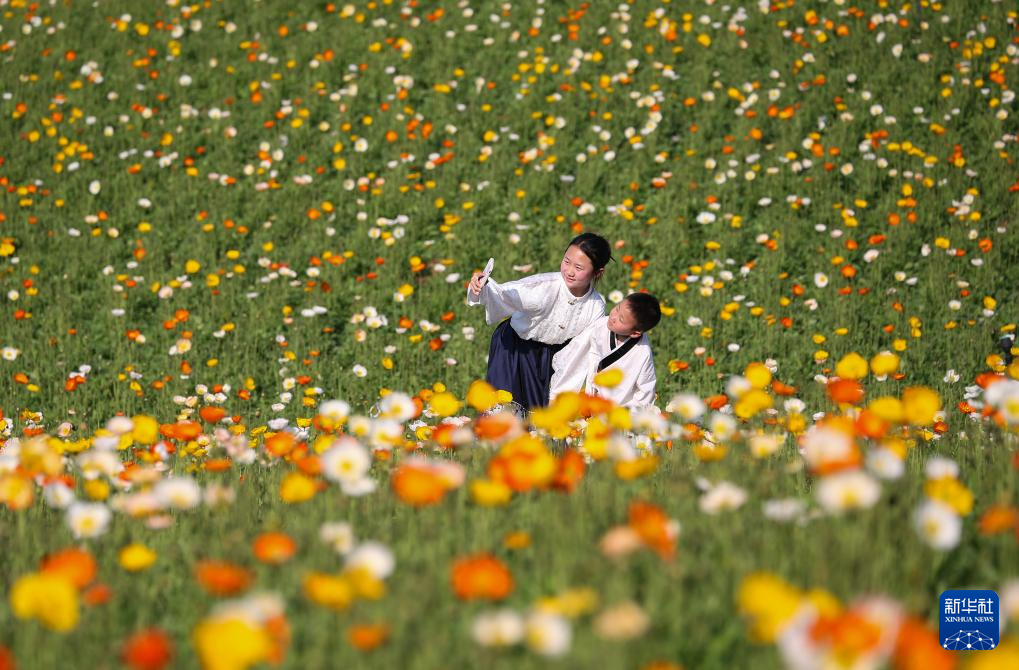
[479, 279]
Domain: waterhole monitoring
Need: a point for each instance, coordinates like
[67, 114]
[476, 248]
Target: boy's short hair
[645, 309]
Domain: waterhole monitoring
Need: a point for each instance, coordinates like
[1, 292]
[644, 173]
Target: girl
[545, 311]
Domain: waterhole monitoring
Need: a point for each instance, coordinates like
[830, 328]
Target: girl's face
[578, 271]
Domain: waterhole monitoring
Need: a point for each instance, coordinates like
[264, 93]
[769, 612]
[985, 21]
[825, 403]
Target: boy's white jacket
[576, 364]
[540, 307]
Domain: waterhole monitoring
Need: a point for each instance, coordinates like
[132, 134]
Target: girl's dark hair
[595, 247]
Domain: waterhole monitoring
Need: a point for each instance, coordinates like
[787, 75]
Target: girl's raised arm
[529, 295]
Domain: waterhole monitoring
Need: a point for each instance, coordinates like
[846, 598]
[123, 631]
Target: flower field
[241, 416]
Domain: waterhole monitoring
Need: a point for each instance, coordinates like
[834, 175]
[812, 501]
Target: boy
[617, 341]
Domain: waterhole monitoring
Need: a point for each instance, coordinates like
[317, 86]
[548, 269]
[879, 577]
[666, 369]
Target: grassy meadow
[240, 422]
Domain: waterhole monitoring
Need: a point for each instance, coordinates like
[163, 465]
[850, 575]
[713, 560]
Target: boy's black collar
[617, 352]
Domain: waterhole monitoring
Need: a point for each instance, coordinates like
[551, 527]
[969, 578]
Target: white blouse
[576, 365]
[540, 307]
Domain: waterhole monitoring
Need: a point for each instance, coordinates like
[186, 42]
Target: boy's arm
[647, 380]
[570, 365]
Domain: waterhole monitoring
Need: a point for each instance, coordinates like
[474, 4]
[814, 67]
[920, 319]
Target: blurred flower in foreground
[648, 526]
[724, 496]
[571, 603]
[813, 630]
[339, 535]
[149, 649]
[238, 634]
[88, 519]
[136, 557]
[1005, 655]
[74, 563]
[347, 463]
[624, 621]
[49, 597]
[481, 577]
[853, 489]
[938, 525]
[366, 637]
[548, 634]
[498, 628]
[374, 557]
[221, 578]
[230, 644]
[274, 548]
[420, 481]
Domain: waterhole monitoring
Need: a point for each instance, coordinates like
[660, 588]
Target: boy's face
[622, 321]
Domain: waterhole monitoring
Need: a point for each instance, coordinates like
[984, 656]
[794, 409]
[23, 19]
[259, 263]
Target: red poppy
[150, 649]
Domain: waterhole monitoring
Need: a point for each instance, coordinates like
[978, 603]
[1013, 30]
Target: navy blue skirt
[522, 367]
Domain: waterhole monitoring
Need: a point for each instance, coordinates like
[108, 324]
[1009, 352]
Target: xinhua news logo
[969, 620]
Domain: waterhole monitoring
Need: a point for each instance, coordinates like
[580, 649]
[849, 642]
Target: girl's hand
[478, 281]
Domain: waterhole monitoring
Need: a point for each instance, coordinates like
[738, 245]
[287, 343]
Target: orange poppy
[417, 486]
[852, 461]
[845, 391]
[717, 401]
[917, 648]
[149, 649]
[592, 405]
[782, 389]
[298, 453]
[652, 525]
[220, 578]
[481, 577]
[217, 464]
[570, 471]
[97, 594]
[323, 424]
[188, 430]
[280, 444]
[181, 431]
[493, 427]
[274, 548]
[212, 414]
[965, 407]
[366, 637]
[999, 519]
[77, 565]
[278, 629]
[985, 379]
[309, 465]
[871, 425]
[523, 464]
[442, 435]
[849, 633]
